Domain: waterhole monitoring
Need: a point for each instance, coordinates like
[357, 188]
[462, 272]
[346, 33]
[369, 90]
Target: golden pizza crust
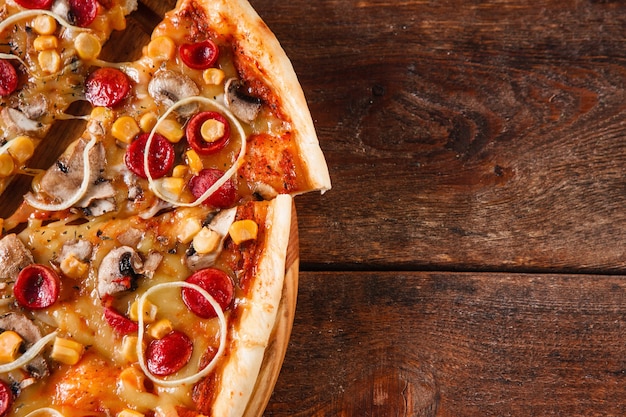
[239, 375]
[239, 19]
[240, 372]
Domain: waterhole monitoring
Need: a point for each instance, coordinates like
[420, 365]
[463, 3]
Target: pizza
[47, 49]
[143, 272]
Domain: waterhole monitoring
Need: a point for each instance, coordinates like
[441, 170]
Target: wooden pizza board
[279, 340]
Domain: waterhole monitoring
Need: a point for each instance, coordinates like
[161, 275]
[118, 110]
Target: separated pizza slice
[152, 253]
[47, 49]
[129, 317]
[212, 114]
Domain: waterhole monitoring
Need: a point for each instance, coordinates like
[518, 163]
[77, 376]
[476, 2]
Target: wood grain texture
[446, 344]
[471, 135]
[485, 137]
[460, 136]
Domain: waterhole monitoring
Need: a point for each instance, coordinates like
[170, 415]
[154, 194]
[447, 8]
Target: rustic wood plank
[475, 136]
[448, 344]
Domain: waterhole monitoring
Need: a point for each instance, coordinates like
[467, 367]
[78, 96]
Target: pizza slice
[143, 273]
[211, 114]
[47, 49]
[142, 316]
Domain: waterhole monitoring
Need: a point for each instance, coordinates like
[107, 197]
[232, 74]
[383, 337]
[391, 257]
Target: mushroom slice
[154, 209]
[152, 262]
[35, 108]
[100, 198]
[219, 224]
[243, 105]
[80, 249]
[14, 256]
[21, 325]
[167, 87]
[130, 237]
[17, 122]
[62, 8]
[264, 191]
[121, 267]
[64, 178]
[118, 271]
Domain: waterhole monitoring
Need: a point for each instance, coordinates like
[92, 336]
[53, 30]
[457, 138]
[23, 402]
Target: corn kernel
[7, 165]
[127, 412]
[44, 24]
[87, 46]
[117, 18]
[212, 130]
[10, 343]
[147, 121]
[188, 228]
[74, 268]
[193, 161]
[22, 148]
[125, 129]
[243, 230]
[49, 61]
[101, 114]
[45, 42]
[149, 311]
[213, 76]
[66, 351]
[100, 24]
[171, 130]
[129, 348]
[162, 47]
[161, 328]
[206, 241]
[133, 378]
[172, 186]
[180, 171]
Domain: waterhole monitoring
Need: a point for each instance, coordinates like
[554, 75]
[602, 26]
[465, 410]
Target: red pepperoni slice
[160, 156]
[224, 197]
[36, 287]
[214, 281]
[199, 55]
[8, 78]
[120, 324]
[6, 398]
[83, 12]
[35, 4]
[170, 354]
[106, 87]
[194, 135]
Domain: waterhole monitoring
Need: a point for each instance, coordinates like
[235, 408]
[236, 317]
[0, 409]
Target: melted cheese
[154, 185]
[196, 375]
[25, 14]
[78, 313]
[53, 92]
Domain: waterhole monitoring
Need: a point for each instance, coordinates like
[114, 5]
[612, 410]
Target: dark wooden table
[470, 258]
